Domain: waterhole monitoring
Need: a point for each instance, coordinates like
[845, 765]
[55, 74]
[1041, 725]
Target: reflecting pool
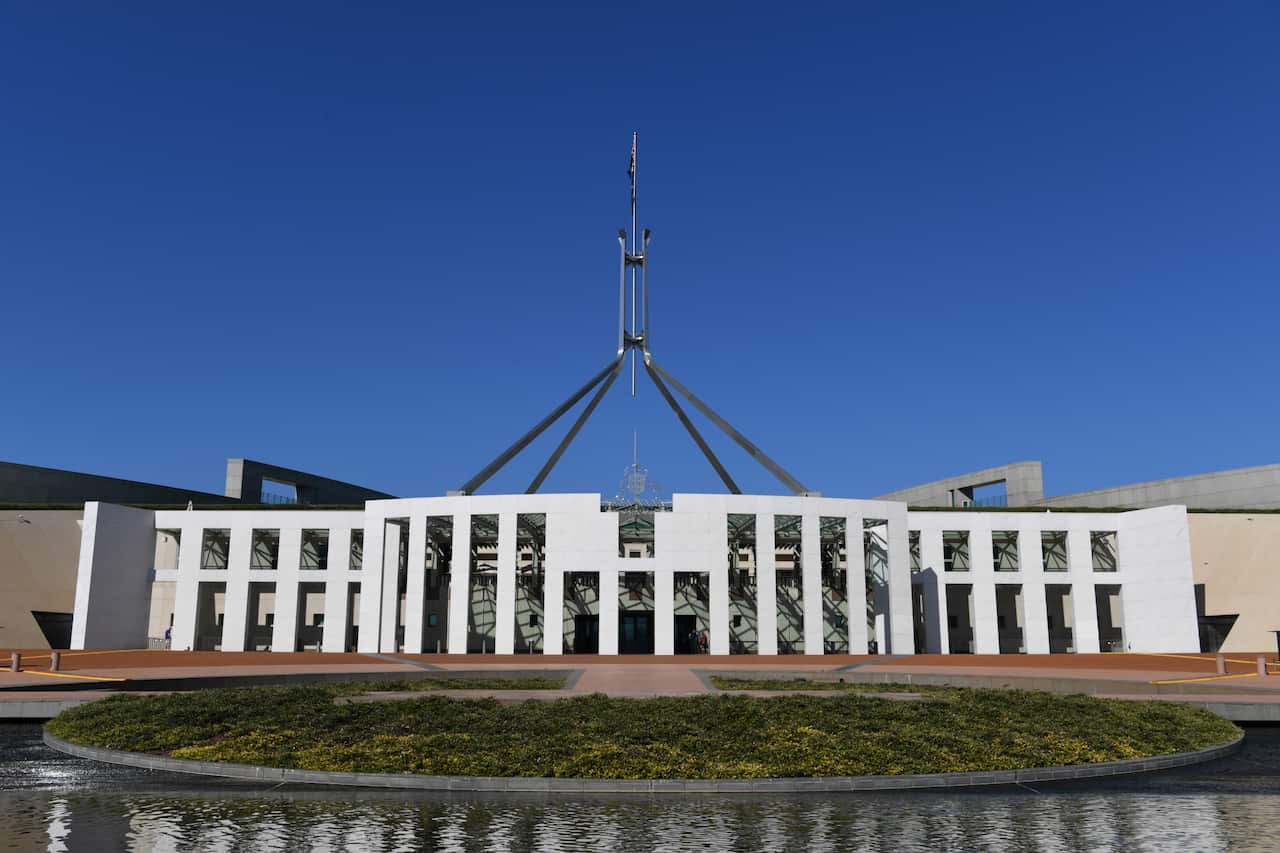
[49, 801]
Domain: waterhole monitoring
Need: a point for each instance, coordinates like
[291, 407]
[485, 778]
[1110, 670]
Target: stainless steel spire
[636, 340]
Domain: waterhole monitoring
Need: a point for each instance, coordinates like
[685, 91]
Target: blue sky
[892, 242]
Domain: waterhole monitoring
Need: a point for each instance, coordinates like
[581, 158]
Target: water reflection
[51, 802]
[1059, 821]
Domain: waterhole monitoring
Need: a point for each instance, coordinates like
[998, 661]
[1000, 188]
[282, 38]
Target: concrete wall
[38, 562]
[1153, 570]
[1237, 558]
[1162, 553]
[287, 577]
[580, 538]
[245, 476]
[113, 582]
[1024, 483]
[1241, 488]
[31, 484]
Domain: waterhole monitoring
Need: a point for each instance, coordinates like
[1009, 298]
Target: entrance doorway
[686, 635]
[635, 632]
[586, 634]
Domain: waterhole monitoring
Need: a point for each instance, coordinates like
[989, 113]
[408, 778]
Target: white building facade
[561, 573]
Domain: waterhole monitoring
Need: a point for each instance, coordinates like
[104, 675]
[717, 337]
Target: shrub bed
[698, 737]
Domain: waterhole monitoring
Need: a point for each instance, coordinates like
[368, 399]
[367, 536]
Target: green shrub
[711, 736]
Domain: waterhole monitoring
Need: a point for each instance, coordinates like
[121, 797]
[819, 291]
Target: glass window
[315, 550]
[955, 550]
[1053, 548]
[357, 550]
[1004, 550]
[215, 548]
[1103, 545]
[266, 550]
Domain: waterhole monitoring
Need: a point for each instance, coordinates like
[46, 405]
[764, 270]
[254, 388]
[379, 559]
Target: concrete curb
[1007, 681]
[546, 785]
[210, 682]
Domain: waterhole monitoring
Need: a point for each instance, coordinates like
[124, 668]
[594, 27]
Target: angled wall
[1239, 488]
[113, 583]
[245, 476]
[1237, 558]
[39, 550]
[1024, 483]
[31, 484]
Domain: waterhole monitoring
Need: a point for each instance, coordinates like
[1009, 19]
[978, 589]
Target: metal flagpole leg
[622, 292]
[688, 425]
[573, 430]
[489, 470]
[644, 292]
[756, 453]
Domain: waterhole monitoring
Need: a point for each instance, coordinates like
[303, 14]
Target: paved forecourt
[648, 675]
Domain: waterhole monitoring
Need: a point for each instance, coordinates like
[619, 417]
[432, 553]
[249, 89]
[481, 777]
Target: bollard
[437, 647]
[55, 661]
[1222, 664]
[15, 662]
[1262, 665]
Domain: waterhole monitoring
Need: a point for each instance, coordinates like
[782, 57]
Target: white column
[766, 587]
[389, 601]
[284, 635]
[664, 613]
[552, 611]
[372, 570]
[236, 603]
[505, 630]
[901, 631]
[460, 585]
[856, 584]
[1080, 568]
[334, 635]
[415, 584]
[931, 561]
[986, 631]
[187, 591]
[1035, 611]
[811, 584]
[718, 610]
[609, 611]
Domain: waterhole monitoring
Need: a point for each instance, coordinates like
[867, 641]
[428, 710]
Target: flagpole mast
[636, 339]
[634, 138]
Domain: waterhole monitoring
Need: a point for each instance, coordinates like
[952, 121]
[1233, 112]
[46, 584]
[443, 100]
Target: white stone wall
[113, 581]
[1154, 571]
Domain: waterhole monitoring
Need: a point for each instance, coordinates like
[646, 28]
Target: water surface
[50, 801]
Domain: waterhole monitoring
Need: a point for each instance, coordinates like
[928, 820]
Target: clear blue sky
[892, 242]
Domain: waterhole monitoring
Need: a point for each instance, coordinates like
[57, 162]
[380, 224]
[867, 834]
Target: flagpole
[634, 138]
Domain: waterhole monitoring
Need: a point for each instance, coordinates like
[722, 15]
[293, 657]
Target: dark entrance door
[586, 635]
[686, 635]
[635, 632]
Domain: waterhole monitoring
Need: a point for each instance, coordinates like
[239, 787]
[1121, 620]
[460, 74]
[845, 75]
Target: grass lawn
[712, 736]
